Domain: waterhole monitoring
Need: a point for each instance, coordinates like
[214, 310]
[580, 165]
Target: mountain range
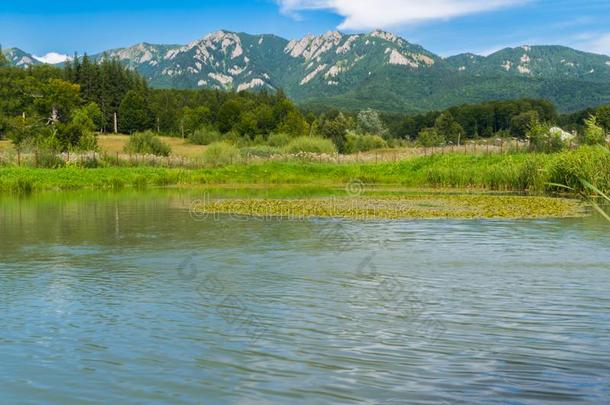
[377, 69]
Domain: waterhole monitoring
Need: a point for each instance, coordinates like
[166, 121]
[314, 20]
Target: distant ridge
[377, 69]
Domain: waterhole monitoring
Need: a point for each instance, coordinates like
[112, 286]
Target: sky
[446, 27]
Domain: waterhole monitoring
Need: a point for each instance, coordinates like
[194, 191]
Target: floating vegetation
[425, 206]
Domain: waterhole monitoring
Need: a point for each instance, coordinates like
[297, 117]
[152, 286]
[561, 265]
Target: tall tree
[134, 114]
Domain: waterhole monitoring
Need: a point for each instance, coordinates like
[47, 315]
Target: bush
[364, 143]
[542, 139]
[221, 154]
[88, 142]
[311, 145]
[204, 136]
[429, 137]
[48, 159]
[147, 143]
[593, 133]
[279, 140]
[262, 151]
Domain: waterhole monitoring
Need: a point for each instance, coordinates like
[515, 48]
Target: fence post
[18, 158]
[36, 158]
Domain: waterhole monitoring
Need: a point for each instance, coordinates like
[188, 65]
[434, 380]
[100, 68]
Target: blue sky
[443, 26]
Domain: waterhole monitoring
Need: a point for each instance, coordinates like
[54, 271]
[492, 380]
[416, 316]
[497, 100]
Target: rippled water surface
[129, 299]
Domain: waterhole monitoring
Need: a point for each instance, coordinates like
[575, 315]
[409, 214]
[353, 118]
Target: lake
[130, 298]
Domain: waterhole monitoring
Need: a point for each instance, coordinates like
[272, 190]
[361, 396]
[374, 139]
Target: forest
[64, 108]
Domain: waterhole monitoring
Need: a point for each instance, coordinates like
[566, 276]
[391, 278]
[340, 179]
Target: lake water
[128, 298]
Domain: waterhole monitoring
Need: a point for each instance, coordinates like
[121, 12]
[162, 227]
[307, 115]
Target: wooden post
[18, 158]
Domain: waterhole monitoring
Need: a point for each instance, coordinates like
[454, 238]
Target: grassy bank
[511, 172]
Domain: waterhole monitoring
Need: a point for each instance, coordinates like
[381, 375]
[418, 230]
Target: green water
[128, 298]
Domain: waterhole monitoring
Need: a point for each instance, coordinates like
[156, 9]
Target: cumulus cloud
[52, 58]
[368, 14]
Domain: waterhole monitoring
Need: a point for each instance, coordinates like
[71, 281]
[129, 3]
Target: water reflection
[114, 297]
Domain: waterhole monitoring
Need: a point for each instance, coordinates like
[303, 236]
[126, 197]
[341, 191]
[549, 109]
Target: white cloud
[52, 58]
[599, 44]
[369, 14]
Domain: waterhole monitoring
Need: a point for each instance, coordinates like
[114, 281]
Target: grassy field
[512, 172]
[112, 144]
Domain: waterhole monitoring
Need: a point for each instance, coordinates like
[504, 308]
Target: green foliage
[334, 126]
[204, 136]
[449, 128]
[221, 154]
[48, 158]
[587, 162]
[542, 139]
[429, 137]
[593, 134]
[476, 120]
[363, 143]
[87, 142]
[293, 123]
[522, 123]
[279, 140]
[147, 143]
[261, 151]
[3, 60]
[310, 145]
[88, 117]
[603, 117]
[134, 114]
[369, 122]
[195, 118]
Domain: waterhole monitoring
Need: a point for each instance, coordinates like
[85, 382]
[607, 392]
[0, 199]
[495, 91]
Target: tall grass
[536, 173]
[311, 145]
[221, 154]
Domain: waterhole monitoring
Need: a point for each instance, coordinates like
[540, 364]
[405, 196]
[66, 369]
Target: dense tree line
[60, 106]
[482, 120]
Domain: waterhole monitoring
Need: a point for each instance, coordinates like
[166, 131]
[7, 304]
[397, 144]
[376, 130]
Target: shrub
[279, 140]
[311, 145]
[429, 137]
[593, 133]
[542, 139]
[147, 143]
[263, 151]
[364, 143]
[48, 159]
[221, 154]
[204, 136]
[87, 142]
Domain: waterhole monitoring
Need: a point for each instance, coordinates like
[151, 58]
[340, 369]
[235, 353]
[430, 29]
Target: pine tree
[134, 114]
[3, 60]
